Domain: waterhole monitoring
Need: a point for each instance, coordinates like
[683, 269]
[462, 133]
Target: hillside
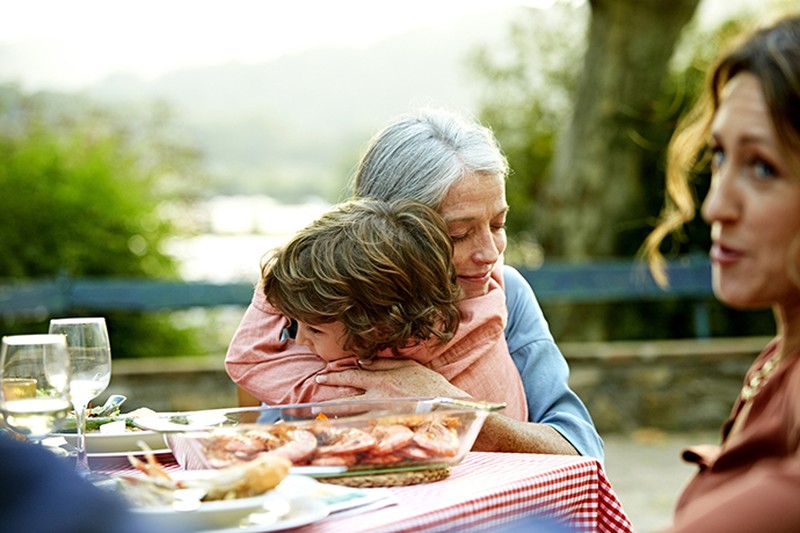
[296, 125]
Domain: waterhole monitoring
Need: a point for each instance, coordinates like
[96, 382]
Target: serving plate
[233, 515]
[114, 444]
[338, 498]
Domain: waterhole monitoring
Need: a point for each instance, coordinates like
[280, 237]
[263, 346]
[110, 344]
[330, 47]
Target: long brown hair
[772, 54]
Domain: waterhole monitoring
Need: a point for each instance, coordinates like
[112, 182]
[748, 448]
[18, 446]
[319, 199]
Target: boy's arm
[269, 366]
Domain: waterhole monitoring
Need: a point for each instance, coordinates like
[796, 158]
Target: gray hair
[420, 156]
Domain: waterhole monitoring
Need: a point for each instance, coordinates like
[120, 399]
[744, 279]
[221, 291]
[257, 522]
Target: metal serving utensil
[112, 404]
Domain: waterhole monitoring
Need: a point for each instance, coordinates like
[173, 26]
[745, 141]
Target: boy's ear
[382, 332]
[379, 338]
[292, 329]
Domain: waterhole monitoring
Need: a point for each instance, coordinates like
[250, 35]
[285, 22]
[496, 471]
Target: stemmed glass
[90, 370]
[34, 370]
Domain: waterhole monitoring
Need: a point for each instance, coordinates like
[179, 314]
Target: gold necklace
[758, 378]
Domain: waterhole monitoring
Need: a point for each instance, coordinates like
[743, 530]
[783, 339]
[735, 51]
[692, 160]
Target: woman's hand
[393, 378]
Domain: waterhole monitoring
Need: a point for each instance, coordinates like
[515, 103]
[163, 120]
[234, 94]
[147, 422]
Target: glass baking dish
[357, 436]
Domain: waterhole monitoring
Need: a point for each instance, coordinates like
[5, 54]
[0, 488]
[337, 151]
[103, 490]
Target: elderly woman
[455, 166]
[750, 126]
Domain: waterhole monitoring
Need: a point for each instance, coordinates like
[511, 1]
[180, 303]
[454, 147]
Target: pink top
[280, 371]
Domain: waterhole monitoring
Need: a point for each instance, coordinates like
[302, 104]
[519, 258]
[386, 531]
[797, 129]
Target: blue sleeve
[544, 371]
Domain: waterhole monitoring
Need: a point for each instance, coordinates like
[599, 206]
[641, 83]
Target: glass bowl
[345, 437]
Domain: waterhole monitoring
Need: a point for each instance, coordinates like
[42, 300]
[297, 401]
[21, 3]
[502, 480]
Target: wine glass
[90, 370]
[34, 370]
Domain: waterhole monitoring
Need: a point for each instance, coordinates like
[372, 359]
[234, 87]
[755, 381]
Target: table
[484, 492]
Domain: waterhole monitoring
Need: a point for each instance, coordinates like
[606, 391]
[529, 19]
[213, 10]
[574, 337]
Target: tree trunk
[596, 185]
[596, 190]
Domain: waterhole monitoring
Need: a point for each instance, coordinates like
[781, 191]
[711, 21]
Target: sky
[67, 44]
[75, 42]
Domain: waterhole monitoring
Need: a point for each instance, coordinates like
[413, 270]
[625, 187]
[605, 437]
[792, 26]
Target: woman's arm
[504, 434]
[762, 498]
[545, 373]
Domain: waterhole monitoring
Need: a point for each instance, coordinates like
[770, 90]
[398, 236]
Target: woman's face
[475, 211]
[753, 204]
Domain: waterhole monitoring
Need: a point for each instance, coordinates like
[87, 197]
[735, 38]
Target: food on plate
[156, 487]
[395, 441]
[94, 422]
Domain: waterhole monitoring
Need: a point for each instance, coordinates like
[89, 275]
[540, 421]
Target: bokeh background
[184, 139]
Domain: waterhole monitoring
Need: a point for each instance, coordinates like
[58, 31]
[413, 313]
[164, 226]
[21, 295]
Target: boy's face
[324, 339]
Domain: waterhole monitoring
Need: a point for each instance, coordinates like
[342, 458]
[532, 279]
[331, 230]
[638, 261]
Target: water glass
[34, 370]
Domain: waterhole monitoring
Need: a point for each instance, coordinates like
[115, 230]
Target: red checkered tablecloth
[484, 492]
[117, 465]
[489, 490]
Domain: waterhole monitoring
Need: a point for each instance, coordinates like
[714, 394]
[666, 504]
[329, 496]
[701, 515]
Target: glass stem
[81, 461]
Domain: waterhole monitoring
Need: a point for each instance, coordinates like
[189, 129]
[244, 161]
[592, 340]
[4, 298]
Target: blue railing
[554, 282]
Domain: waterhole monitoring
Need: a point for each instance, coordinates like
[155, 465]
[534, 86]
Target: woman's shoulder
[518, 291]
[514, 280]
[526, 321]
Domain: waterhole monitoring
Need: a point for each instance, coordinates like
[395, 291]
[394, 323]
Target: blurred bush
[81, 191]
[528, 96]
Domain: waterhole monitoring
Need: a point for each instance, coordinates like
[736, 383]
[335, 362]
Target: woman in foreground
[750, 128]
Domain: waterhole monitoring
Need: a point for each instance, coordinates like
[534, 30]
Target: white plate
[225, 515]
[110, 444]
[303, 511]
[182, 421]
[337, 497]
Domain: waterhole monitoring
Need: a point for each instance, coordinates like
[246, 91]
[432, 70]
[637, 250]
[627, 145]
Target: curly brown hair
[383, 269]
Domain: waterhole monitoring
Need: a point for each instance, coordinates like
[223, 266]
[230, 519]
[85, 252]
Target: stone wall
[173, 383]
[673, 385]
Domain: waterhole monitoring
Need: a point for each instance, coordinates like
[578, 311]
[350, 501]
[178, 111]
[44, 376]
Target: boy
[375, 279]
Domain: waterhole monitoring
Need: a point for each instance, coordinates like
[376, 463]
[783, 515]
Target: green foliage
[528, 100]
[528, 95]
[80, 195]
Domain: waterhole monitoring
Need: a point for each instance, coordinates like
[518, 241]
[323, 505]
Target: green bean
[69, 425]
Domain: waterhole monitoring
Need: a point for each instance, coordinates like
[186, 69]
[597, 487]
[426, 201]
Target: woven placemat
[390, 479]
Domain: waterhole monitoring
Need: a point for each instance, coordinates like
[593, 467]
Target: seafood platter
[358, 437]
[246, 497]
